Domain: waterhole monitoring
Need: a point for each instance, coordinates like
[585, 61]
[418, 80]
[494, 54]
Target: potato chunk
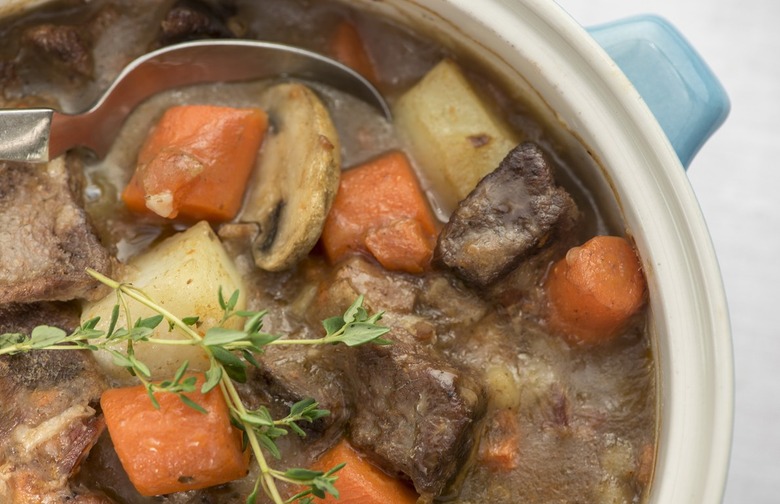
[183, 274]
[453, 135]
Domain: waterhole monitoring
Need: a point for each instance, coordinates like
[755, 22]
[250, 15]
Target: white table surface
[736, 177]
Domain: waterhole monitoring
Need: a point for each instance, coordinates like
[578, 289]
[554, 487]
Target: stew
[265, 281]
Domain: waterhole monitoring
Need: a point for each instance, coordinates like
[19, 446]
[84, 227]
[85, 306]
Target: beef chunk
[66, 46]
[410, 412]
[46, 240]
[45, 369]
[511, 213]
[391, 292]
[290, 374]
[23, 318]
[415, 414]
[405, 405]
[48, 423]
[192, 19]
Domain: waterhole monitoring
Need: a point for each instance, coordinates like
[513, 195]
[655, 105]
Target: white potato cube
[182, 274]
[454, 137]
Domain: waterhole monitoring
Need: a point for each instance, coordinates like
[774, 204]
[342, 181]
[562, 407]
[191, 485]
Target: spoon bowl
[38, 135]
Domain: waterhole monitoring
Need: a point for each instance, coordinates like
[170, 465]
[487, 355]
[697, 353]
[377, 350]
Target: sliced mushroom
[297, 177]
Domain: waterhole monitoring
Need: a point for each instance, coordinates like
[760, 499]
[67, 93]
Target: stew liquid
[478, 398]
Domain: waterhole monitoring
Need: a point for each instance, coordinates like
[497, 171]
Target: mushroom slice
[296, 178]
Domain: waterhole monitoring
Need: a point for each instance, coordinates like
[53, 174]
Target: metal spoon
[38, 135]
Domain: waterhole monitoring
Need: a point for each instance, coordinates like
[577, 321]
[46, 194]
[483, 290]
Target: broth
[582, 417]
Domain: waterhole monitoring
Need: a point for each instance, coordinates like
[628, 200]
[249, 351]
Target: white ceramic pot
[635, 165]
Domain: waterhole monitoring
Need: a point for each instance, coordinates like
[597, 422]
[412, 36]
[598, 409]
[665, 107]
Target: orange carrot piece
[644, 472]
[595, 289]
[381, 209]
[400, 246]
[196, 162]
[500, 447]
[175, 448]
[346, 46]
[360, 482]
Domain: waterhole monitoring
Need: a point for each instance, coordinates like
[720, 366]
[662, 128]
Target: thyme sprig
[230, 352]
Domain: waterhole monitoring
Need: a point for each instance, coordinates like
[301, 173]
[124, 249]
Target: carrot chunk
[360, 482]
[196, 162]
[500, 447]
[346, 46]
[175, 448]
[595, 289]
[380, 208]
[402, 245]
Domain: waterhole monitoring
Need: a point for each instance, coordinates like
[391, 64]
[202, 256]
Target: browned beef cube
[194, 19]
[22, 318]
[46, 240]
[511, 213]
[66, 46]
[415, 414]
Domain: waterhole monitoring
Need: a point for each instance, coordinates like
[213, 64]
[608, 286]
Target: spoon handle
[24, 134]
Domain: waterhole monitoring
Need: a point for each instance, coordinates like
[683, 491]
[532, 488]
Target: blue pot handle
[684, 95]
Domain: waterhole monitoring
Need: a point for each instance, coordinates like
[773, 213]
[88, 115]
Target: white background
[736, 177]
